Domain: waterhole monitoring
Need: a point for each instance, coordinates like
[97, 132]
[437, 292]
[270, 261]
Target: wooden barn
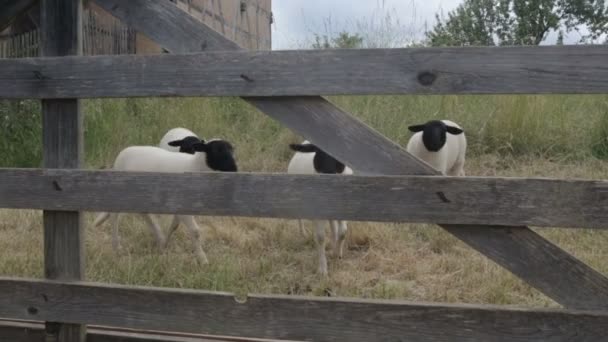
[246, 22]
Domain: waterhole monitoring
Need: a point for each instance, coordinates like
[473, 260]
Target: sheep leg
[101, 218]
[301, 226]
[116, 245]
[234, 221]
[195, 235]
[457, 169]
[320, 241]
[341, 238]
[172, 228]
[158, 234]
[335, 230]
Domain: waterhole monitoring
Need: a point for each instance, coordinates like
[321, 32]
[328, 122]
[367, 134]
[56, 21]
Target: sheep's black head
[219, 155]
[186, 145]
[323, 162]
[434, 133]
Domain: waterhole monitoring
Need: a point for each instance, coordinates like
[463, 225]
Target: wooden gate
[489, 214]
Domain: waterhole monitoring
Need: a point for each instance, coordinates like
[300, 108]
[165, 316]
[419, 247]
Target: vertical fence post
[61, 35]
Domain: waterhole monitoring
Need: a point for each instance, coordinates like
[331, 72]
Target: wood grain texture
[176, 29]
[289, 317]
[27, 331]
[548, 267]
[61, 35]
[470, 200]
[591, 287]
[505, 70]
[9, 9]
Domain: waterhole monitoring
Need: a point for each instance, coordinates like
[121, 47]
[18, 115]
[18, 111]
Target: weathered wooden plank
[519, 245]
[61, 35]
[591, 290]
[21, 332]
[521, 70]
[9, 9]
[289, 317]
[176, 26]
[26, 331]
[470, 200]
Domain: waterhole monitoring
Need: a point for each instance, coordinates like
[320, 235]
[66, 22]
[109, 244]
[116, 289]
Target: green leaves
[517, 22]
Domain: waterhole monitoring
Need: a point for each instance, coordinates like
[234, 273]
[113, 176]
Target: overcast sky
[296, 21]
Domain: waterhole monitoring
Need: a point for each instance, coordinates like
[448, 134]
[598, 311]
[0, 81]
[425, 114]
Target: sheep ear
[454, 130]
[416, 128]
[176, 143]
[303, 148]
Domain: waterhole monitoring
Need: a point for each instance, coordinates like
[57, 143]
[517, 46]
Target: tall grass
[556, 127]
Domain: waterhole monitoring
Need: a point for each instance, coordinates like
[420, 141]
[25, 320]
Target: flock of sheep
[441, 144]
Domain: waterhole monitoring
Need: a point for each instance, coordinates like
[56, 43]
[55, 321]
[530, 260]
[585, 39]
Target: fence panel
[32, 331]
[288, 317]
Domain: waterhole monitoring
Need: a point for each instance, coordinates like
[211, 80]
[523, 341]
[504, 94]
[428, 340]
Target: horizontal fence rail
[489, 70]
[31, 331]
[429, 199]
[288, 317]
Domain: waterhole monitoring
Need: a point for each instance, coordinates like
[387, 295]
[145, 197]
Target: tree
[472, 23]
[516, 22]
[592, 13]
[344, 40]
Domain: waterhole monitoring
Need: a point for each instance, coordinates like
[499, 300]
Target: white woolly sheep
[215, 155]
[187, 141]
[444, 152]
[309, 159]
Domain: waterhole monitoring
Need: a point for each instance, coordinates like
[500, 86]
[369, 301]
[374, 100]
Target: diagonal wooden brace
[10, 9]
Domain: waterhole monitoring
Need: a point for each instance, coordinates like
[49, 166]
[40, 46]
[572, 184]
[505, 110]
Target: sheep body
[450, 158]
[173, 134]
[305, 163]
[157, 159]
[215, 155]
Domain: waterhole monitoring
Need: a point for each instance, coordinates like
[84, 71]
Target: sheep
[188, 139]
[214, 155]
[309, 159]
[179, 140]
[444, 152]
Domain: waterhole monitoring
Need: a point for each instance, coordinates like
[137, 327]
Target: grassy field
[544, 136]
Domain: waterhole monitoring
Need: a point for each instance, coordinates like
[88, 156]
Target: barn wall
[247, 22]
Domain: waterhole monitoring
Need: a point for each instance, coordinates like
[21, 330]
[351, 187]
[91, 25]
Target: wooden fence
[489, 214]
[101, 36]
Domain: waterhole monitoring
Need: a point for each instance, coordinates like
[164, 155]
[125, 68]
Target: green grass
[554, 127]
[541, 136]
